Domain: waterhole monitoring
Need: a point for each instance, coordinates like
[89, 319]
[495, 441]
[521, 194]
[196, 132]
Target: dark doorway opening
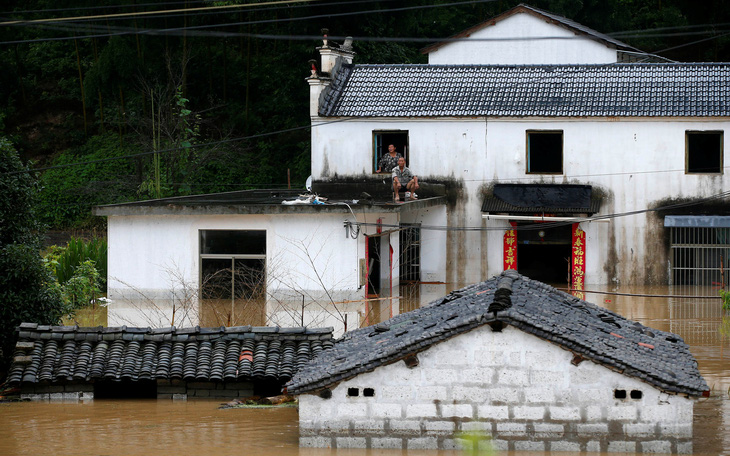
[125, 389]
[545, 254]
[268, 387]
[373, 265]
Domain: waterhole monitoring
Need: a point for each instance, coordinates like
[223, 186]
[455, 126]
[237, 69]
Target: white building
[539, 102]
[519, 362]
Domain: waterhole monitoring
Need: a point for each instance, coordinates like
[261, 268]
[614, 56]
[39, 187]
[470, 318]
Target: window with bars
[699, 255]
[410, 253]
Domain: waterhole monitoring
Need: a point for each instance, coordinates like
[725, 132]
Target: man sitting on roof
[404, 180]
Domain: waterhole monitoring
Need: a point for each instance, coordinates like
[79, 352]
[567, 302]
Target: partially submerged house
[529, 118]
[531, 367]
[72, 363]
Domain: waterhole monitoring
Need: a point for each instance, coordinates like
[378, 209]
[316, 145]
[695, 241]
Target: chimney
[333, 56]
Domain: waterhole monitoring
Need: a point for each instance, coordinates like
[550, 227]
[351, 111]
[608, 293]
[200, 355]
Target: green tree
[27, 291]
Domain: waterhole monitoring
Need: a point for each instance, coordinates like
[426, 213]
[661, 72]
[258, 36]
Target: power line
[88, 8]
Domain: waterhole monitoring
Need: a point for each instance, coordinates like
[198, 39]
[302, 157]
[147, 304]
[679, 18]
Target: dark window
[381, 141]
[704, 152]
[353, 392]
[636, 394]
[368, 392]
[545, 152]
[619, 394]
[232, 277]
[410, 253]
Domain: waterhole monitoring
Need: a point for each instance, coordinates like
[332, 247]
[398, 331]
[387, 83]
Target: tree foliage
[26, 286]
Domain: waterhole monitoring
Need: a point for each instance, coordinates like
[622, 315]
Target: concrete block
[488, 358]
[675, 430]
[352, 410]
[547, 430]
[72, 397]
[388, 443]
[513, 377]
[224, 393]
[592, 396]
[164, 396]
[351, 442]
[595, 413]
[422, 443]
[543, 378]
[87, 396]
[493, 412]
[56, 397]
[527, 412]
[470, 393]
[449, 444]
[484, 427]
[440, 376]
[684, 447]
[594, 446]
[564, 413]
[527, 445]
[623, 413]
[371, 427]
[451, 357]
[655, 446]
[536, 395]
[179, 397]
[201, 385]
[401, 427]
[480, 376]
[430, 393]
[573, 447]
[505, 395]
[398, 393]
[457, 410]
[511, 429]
[421, 410]
[592, 429]
[622, 447]
[639, 429]
[315, 442]
[433, 428]
[333, 426]
[495, 444]
[200, 392]
[666, 413]
[386, 410]
[50, 389]
[171, 390]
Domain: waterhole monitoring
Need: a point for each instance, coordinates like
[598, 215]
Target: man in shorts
[404, 180]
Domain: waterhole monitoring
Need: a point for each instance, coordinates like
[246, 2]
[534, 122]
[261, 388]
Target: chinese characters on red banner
[510, 248]
[579, 261]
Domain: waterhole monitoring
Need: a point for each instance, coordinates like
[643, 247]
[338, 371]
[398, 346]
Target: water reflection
[141, 427]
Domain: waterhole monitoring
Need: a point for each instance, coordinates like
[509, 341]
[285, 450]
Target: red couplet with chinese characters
[510, 248]
[579, 260]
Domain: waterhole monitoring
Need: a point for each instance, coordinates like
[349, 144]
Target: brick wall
[520, 390]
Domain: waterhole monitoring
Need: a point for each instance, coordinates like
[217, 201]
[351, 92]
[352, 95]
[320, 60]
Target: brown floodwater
[144, 427]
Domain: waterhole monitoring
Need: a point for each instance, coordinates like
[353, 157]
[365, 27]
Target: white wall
[519, 389]
[529, 48]
[637, 163]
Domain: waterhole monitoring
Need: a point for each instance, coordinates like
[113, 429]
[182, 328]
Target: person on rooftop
[388, 161]
[404, 180]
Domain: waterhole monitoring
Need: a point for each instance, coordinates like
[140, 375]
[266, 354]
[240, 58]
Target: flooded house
[71, 363]
[531, 118]
[512, 359]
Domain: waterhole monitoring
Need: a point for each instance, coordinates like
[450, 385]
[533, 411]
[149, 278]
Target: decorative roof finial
[325, 31]
[313, 64]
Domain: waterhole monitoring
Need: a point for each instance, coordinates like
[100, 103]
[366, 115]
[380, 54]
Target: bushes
[80, 271]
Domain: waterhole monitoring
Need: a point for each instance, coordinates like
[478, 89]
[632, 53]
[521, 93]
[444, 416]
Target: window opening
[704, 152]
[410, 253]
[545, 152]
[381, 141]
[233, 277]
[636, 394]
[699, 255]
[368, 392]
[619, 394]
[353, 392]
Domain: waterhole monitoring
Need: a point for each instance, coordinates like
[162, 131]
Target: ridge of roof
[659, 358]
[536, 12]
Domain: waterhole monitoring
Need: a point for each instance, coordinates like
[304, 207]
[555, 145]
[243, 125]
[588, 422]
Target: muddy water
[131, 427]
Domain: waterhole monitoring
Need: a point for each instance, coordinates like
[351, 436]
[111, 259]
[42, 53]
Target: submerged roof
[621, 89]
[659, 358]
[66, 353]
[561, 21]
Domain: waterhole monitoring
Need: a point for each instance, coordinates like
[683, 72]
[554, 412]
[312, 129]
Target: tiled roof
[65, 353]
[621, 90]
[542, 199]
[559, 20]
[659, 358]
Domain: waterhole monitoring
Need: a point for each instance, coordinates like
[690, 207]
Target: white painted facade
[635, 163]
[520, 390]
[523, 39]
[314, 271]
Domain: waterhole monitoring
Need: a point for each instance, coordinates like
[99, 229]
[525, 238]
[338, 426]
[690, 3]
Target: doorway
[544, 254]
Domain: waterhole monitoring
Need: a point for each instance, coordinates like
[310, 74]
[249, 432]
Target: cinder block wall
[67, 392]
[181, 389]
[519, 389]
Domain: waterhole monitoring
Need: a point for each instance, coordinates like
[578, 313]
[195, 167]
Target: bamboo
[81, 83]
